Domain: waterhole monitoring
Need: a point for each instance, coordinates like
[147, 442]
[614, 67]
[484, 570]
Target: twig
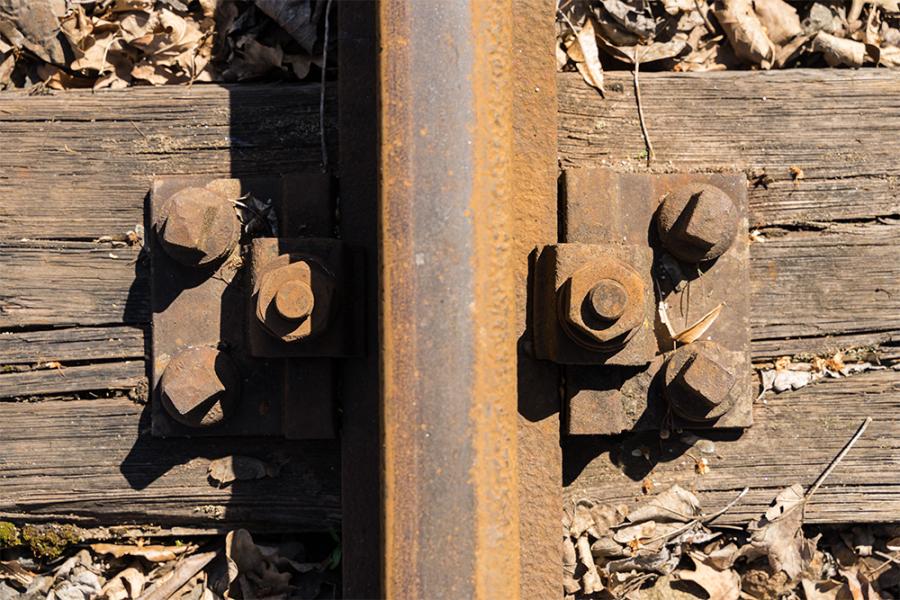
[640, 107]
[889, 560]
[322, 91]
[837, 459]
[728, 507]
[706, 22]
[703, 520]
[181, 575]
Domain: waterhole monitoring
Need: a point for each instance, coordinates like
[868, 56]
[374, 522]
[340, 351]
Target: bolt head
[697, 222]
[200, 387]
[294, 298]
[197, 227]
[579, 314]
[700, 380]
[608, 299]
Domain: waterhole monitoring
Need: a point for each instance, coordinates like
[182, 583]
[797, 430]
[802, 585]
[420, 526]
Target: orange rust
[534, 208]
[494, 409]
[448, 333]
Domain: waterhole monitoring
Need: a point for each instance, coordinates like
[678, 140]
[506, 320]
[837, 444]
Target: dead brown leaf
[777, 536]
[780, 20]
[695, 331]
[719, 584]
[674, 504]
[583, 52]
[228, 469]
[745, 31]
[840, 51]
[153, 553]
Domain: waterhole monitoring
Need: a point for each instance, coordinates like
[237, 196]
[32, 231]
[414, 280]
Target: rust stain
[494, 408]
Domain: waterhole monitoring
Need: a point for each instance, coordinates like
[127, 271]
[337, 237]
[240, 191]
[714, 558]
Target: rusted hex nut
[697, 222]
[601, 306]
[197, 226]
[700, 382]
[200, 387]
[293, 299]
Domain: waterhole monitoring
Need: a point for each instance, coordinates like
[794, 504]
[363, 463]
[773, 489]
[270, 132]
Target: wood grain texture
[813, 286]
[795, 437]
[81, 170]
[71, 283]
[92, 462]
[72, 344]
[839, 126]
[83, 161]
[124, 375]
[826, 278]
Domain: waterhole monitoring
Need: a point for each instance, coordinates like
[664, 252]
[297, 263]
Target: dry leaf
[590, 581]
[779, 19]
[745, 31]
[296, 17]
[796, 172]
[570, 563]
[674, 504]
[127, 584]
[777, 535]
[152, 553]
[240, 468]
[721, 585]
[839, 51]
[634, 21]
[695, 331]
[583, 51]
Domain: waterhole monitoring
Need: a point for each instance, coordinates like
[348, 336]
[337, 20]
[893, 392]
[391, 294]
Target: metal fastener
[700, 381]
[697, 222]
[609, 299]
[200, 387]
[294, 297]
[197, 226]
[602, 305]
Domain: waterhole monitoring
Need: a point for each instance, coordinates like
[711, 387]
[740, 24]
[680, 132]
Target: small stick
[890, 560]
[181, 575]
[706, 21]
[322, 91]
[837, 459]
[640, 108]
[703, 520]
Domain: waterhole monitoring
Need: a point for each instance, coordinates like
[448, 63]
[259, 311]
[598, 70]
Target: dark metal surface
[703, 215]
[206, 307]
[200, 387]
[331, 271]
[697, 222]
[448, 329]
[361, 450]
[565, 330]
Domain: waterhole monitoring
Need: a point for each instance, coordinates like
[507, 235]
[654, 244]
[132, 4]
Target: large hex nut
[601, 306]
[697, 222]
[197, 226]
[700, 381]
[200, 387]
[294, 298]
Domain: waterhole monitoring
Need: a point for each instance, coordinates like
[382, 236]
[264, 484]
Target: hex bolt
[197, 227]
[699, 382]
[200, 387]
[608, 299]
[697, 222]
[294, 300]
[602, 305]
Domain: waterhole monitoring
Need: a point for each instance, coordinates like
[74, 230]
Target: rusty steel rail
[451, 518]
